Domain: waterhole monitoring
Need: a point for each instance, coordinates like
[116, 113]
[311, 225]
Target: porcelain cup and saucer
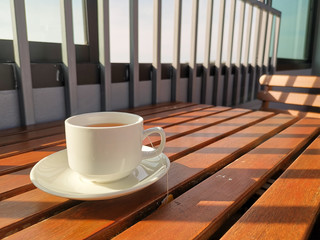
[104, 158]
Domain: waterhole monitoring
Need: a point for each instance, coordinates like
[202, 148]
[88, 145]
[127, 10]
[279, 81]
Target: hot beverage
[106, 125]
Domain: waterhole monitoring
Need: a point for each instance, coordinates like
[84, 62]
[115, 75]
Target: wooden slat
[206, 206]
[106, 218]
[290, 81]
[185, 117]
[30, 128]
[35, 144]
[191, 142]
[288, 209]
[25, 160]
[152, 106]
[164, 110]
[156, 109]
[290, 98]
[196, 124]
[173, 112]
[26, 136]
[39, 204]
[294, 112]
[15, 183]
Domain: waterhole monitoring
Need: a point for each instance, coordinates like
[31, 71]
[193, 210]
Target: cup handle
[159, 149]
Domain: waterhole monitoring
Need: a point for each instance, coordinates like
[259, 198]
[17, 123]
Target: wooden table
[235, 174]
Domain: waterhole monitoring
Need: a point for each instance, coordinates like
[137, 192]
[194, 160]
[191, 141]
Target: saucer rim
[156, 176]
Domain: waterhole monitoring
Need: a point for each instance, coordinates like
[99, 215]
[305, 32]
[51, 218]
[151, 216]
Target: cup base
[104, 178]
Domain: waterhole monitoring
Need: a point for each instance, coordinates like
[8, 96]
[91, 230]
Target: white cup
[104, 154]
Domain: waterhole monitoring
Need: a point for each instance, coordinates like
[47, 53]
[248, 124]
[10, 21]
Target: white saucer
[53, 175]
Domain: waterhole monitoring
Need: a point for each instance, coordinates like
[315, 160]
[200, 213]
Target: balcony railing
[49, 81]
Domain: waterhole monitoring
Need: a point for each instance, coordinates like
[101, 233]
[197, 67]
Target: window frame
[284, 64]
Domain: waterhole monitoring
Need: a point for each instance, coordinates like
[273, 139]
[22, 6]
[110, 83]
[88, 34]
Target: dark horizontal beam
[51, 75]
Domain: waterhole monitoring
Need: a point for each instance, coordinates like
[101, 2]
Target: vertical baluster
[134, 55]
[104, 53]
[268, 42]
[91, 29]
[218, 85]
[22, 59]
[193, 52]
[205, 94]
[237, 80]
[227, 80]
[260, 49]
[175, 95]
[275, 44]
[69, 57]
[156, 70]
[246, 51]
[252, 80]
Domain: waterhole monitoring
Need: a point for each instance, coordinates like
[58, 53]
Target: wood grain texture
[219, 142]
[174, 131]
[30, 128]
[191, 142]
[34, 144]
[14, 183]
[26, 136]
[288, 209]
[115, 215]
[205, 207]
[290, 94]
[28, 208]
[28, 159]
[185, 117]
[294, 112]
[290, 81]
[303, 99]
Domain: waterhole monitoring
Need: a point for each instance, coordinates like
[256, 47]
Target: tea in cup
[107, 146]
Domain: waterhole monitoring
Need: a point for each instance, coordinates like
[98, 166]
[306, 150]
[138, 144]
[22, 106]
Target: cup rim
[69, 120]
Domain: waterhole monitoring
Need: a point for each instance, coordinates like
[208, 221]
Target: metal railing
[250, 51]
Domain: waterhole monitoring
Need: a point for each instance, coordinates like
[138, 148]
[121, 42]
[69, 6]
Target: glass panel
[44, 21]
[79, 25]
[145, 31]
[214, 34]
[167, 28]
[293, 29]
[119, 31]
[186, 13]
[202, 22]
[5, 20]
